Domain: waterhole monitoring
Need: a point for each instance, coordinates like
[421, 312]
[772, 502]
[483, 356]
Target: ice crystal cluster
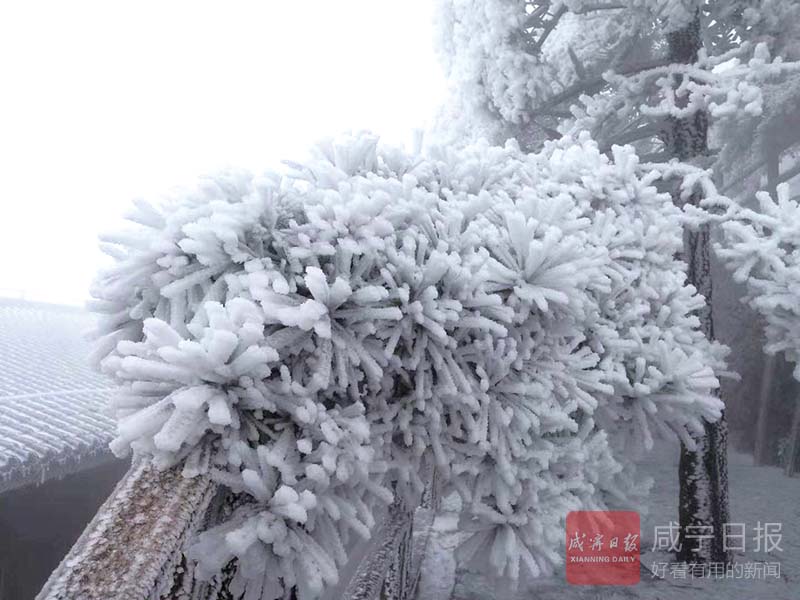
[311, 338]
[762, 248]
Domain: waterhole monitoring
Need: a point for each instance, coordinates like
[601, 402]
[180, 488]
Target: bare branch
[549, 26]
[536, 20]
[594, 85]
[588, 8]
[636, 134]
[655, 157]
[536, 16]
[579, 69]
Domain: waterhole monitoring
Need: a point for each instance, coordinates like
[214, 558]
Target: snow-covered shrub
[762, 248]
[312, 338]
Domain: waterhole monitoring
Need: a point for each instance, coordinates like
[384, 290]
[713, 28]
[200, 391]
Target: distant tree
[670, 77]
[762, 247]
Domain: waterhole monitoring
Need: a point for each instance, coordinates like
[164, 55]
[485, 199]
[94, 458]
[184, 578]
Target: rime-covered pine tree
[311, 338]
[762, 248]
[674, 78]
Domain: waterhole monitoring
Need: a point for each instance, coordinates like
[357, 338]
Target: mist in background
[103, 102]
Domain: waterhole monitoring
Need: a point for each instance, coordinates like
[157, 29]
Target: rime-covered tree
[674, 78]
[311, 338]
[762, 247]
[759, 151]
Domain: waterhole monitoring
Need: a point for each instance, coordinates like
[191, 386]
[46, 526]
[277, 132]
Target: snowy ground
[758, 494]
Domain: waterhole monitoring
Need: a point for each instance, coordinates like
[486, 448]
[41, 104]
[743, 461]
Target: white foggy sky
[104, 101]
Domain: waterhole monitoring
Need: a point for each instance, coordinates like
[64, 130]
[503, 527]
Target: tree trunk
[761, 449]
[794, 442]
[703, 472]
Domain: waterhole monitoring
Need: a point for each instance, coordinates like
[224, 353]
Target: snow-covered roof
[52, 404]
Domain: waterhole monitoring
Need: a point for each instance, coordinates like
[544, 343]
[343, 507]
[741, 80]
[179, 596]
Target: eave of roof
[53, 418]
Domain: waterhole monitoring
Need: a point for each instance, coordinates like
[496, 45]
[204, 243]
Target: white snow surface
[51, 401]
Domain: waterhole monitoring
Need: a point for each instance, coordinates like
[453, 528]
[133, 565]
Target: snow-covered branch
[311, 338]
